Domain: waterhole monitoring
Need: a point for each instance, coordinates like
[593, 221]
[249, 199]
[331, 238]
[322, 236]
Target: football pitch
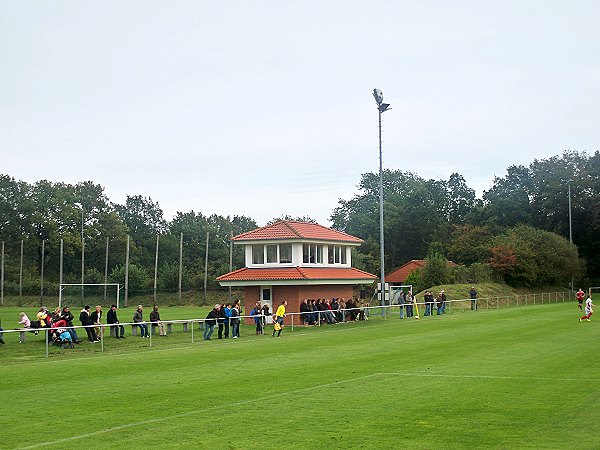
[514, 378]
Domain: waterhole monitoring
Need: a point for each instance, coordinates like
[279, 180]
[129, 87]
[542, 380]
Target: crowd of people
[332, 311]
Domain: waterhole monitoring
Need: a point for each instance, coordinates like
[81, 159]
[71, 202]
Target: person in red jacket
[580, 296]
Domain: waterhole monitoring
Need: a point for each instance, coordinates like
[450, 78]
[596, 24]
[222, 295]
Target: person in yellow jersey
[278, 319]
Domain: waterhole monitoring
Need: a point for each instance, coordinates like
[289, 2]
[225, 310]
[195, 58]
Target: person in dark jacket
[113, 321]
[67, 316]
[86, 320]
[155, 320]
[96, 315]
[235, 320]
[138, 318]
[221, 321]
[211, 321]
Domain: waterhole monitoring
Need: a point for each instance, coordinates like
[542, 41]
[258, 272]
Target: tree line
[518, 231]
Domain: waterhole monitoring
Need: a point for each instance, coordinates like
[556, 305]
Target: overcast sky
[264, 108]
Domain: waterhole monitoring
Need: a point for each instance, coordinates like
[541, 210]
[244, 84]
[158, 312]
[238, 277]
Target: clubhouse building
[293, 261]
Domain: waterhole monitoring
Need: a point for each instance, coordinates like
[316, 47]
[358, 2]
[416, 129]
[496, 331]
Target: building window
[285, 253]
[258, 254]
[271, 253]
[336, 254]
[312, 253]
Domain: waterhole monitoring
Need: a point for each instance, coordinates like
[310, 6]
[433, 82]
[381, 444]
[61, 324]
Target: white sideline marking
[491, 377]
[196, 411]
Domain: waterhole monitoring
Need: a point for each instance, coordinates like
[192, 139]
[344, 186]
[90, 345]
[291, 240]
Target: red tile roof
[289, 229]
[297, 273]
[402, 272]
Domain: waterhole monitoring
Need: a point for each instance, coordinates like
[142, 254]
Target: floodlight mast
[381, 107]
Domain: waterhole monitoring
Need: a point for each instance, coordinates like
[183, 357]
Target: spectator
[25, 322]
[409, 304]
[86, 321]
[439, 302]
[211, 321]
[96, 316]
[443, 302]
[256, 314]
[111, 319]
[305, 312]
[44, 318]
[155, 320]
[55, 315]
[67, 316]
[235, 320]
[227, 319]
[401, 301]
[473, 295]
[138, 318]
[221, 320]
[266, 314]
[429, 303]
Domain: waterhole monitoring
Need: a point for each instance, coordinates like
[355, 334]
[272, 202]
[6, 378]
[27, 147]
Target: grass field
[509, 378]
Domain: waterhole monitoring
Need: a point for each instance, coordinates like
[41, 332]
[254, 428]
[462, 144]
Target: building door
[267, 299]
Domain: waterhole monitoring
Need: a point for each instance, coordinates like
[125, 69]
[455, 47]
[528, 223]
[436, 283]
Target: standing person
[211, 321]
[235, 320]
[266, 313]
[401, 301]
[86, 321]
[428, 297]
[111, 319]
[439, 302]
[227, 322]
[473, 295]
[409, 304]
[96, 316]
[67, 316]
[588, 309]
[138, 318]
[278, 320]
[580, 296]
[443, 294]
[155, 320]
[221, 320]
[256, 314]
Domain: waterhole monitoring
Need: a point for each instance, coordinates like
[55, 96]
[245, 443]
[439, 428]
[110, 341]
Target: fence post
[46, 339]
[192, 331]
[101, 338]
[150, 334]
[292, 321]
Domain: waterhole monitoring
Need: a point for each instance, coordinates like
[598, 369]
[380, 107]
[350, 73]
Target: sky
[265, 108]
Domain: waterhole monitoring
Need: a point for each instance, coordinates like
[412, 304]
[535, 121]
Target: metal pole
[82, 257]
[156, 267]
[42, 274]
[2, 278]
[60, 274]
[381, 239]
[180, 265]
[106, 269]
[230, 261]
[206, 267]
[570, 225]
[21, 275]
[127, 272]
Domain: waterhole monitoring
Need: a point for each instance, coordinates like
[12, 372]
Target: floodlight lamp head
[384, 107]
[378, 96]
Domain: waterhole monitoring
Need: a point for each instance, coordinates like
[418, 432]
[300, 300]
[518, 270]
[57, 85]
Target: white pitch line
[197, 411]
[491, 377]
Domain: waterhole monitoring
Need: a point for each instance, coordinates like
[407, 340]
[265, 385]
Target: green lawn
[509, 378]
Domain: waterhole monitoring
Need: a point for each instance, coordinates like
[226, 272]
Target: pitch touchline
[197, 411]
[491, 377]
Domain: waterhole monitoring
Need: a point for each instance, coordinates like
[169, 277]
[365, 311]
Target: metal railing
[356, 314]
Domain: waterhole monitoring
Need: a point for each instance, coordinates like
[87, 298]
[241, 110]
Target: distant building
[293, 261]
[399, 275]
